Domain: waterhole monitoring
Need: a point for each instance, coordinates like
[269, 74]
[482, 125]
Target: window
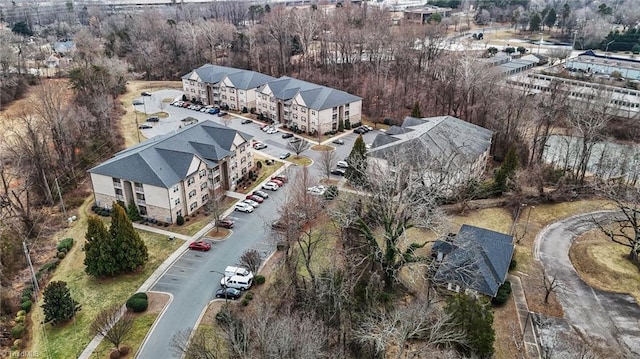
[243, 160]
[143, 210]
[304, 110]
[175, 188]
[244, 171]
[203, 173]
[203, 185]
[295, 116]
[232, 98]
[193, 205]
[294, 107]
[223, 89]
[232, 91]
[241, 92]
[190, 181]
[346, 107]
[192, 193]
[303, 118]
[205, 198]
[119, 191]
[313, 112]
[179, 213]
[224, 97]
[116, 180]
[177, 201]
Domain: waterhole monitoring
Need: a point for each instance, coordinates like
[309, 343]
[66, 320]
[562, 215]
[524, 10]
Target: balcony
[141, 202]
[139, 189]
[117, 185]
[120, 198]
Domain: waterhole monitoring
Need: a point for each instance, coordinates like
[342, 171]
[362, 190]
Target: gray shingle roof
[164, 161]
[479, 260]
[434, 136]
[316, 97]
[242, 79]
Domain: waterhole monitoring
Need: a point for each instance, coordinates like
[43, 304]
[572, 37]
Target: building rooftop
[315, 96]
[241, 79]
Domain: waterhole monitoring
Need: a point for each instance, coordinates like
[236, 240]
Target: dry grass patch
[507, 328]
[323, 148]
[300, 160]
[604, 264]
[218, 233]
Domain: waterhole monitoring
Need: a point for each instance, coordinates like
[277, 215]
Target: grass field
[93, 294]
[300, 161]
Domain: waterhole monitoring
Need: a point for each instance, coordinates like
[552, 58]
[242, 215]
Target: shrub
[17, 344]
[19, 319]
[513, 264]
[65, 244]
[245, 110]
[21, 313]
[249, 295]
[115, 354]
[27, 291]
[245, 302]
[17, 331]
[259, 279]
[503, 294]
[61, 255]
[49, 266]
[179, 220]
[142, 295]
[137, 305]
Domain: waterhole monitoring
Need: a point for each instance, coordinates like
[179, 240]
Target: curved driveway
[610, 317]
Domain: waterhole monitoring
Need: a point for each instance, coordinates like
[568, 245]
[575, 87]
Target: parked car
[246, 121]
[338, 141]
[287, 135]
[186, 104]
[342, 164]
[317, 190]
[228, 293]
[137, 102]
[145, 126]
[270, 186]
[153, 119]
[338, 171]
[278, 182]
[359, 130]
[272, 130]
[252, 203]
[369, 128]
[264, 128]
[200, 246]
[237, 281]
[213, 111]
[225, 223]
[281, 178]
[243, 207]
[285, 155]
[255, 198]
[262, 194]
[222, 113]
[259, 145]
[295, 140]
[205, 109]
[145, 93]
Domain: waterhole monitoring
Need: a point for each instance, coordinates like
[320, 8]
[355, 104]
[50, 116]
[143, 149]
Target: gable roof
[316, 97]
[163, 161]
[241, 79]
[479, 260]
[434, 136]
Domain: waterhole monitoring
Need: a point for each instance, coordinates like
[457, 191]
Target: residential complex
[294, 103]
[590, 62]
[307, 107]
[448, 149]
[172, 175]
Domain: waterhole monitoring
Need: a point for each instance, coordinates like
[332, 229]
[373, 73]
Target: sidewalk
[525, 317]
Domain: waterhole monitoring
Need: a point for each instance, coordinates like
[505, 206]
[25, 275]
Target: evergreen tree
[416, 110]
[534, 22]
[506, 170]
[132, 212]
[98, 260]
[58, 305]
[550, 19]
[130, 251]
[357, 161]
[474, 317]
[340, 125]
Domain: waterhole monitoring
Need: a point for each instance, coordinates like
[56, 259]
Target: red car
[278, 182]
[255, 198]
[200, 246]
[281, 178]
[226, 223]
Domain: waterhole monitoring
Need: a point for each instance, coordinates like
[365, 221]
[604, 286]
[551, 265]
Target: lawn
[300, 160]
[93, 294]
[141, 326]
[604, 264]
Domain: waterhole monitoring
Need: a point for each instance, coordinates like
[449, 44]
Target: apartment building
[172, 175]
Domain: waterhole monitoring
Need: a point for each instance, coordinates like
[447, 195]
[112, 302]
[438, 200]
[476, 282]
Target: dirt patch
[157, 302]
[323, 148]
[604, 265]
[218, 233]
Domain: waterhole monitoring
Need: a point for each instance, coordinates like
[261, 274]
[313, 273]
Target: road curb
[155, 322]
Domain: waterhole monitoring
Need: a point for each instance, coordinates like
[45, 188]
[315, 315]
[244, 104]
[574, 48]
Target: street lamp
[606, 49]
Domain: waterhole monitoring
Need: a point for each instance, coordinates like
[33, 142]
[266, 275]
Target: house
[422, 14]
[448, 150]
[171, 175]
[306, 106]
[64, 48]
[590, 62]
[477, 259]
[221, 85]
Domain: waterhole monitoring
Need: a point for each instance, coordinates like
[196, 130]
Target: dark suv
[153, 119]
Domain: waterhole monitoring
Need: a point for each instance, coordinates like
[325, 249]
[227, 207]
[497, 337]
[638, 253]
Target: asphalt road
[611, 318]
[190, 279]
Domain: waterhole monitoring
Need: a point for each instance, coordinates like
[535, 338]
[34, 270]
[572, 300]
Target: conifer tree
[98, 259]
[416, 110]
[58, 305]
[474, 317]
[357, 161]
[130, 251]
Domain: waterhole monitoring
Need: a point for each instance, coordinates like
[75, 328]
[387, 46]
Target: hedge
[259, 279]
[137, 305]
[65, 245]
[17, 331]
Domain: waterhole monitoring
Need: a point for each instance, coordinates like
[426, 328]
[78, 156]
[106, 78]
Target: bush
[245, 302]
[137, 305]
[65, 245]
[259, 279]
[503, 294]
[17, 331]
[179, 220]
[26, 305]
[21, 313]
[142, 295]
[19, 319]
[245, 110]
[17, 344]
[27, 291]
[49, 266]
[249, 295]
[512, 265]
[61, 255]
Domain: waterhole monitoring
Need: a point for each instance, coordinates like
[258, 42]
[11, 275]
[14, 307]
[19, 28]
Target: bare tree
[299, 146]
[113, 324]
[226, 120]
[199, 345]
[251, 259]
[549, 284]
[627, 232]
[328, 160]
[215, 205]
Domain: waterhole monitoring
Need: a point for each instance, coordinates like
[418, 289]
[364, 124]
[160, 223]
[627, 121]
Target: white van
[237, 281]
[230, 271]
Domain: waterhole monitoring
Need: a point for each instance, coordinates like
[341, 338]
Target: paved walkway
[525, 318]
[153, 278]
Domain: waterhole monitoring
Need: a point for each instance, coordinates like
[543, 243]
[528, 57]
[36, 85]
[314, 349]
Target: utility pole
[64, 210]
[36, 288]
